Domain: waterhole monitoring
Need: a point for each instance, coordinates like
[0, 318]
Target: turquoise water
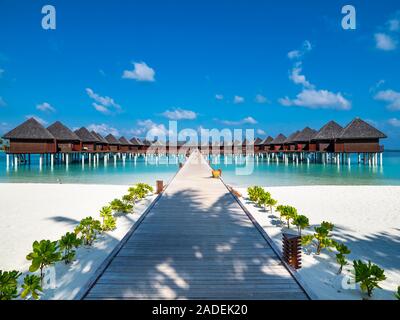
[274, 174]
[262, 173]
[118, 174]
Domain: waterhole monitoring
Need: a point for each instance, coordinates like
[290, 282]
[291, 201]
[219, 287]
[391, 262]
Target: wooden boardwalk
[196, 243]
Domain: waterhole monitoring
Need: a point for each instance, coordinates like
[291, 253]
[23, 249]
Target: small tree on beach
[9, 284]
[120, 206]
[45, 253]
[263, 199]
[31, 287]
[254, 193]
[109, 221]
[343, 250]
[271, 203]
[68, 243]
[323, 236]
[288, 213]
[301, 222]
[88, 229]
[368, 275]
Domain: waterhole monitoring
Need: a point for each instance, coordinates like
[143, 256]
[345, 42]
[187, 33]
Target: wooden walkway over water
[196, 243]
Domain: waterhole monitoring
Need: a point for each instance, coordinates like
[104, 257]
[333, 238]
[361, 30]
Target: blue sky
[125, 67]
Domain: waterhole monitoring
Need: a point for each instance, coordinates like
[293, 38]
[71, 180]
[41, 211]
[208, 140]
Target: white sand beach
[47, 211]
[367, 220]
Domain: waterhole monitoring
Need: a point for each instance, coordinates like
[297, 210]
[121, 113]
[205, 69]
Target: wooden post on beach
[291, 250]
[159, 186]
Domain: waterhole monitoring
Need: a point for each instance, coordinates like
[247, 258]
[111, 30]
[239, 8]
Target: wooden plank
[196, 243]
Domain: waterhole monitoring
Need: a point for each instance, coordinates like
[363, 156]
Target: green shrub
[323, 236]
[68, 243]
[397, 294]
[368, 275]
[45, 253]
[343, 250]
[254, 193]
[140, 191]
[271, 203]
[263, 198]
[301, 222]
[31, 287]
[9, 284]
[288, 213]
[109, 221]
[88, 229]
[119, 206]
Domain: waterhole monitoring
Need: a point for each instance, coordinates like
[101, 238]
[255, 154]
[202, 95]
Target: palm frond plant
[343, 250]
[45, 253]
[288, 213]
[9, 284]
[120, 206]
[323, 236]
[301, 222]
[263, 198]
[271, 203]
[368, 275]
[68, 243]
[254, 193]
[31, 287]
[109, 221]
[88, 229]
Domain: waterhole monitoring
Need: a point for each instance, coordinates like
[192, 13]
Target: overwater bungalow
[102, 145]
[66, 139]
[265, 144]
[303, 139]
[278, 142]
[113, 143]
[325, 138]
[88, 140]
[289, 144]
[258, 145]
[136, 145]
[125, 144]
[30, 138]
[359, 137]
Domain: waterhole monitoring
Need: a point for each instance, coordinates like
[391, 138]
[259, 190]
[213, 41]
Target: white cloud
[247, 120]
[318, 99]
[149, 128]
[2, 102]
[140, 72]
[45, 107]
[238, 99]
[296, 54]
[391, 97]
[38, 119]
[103, 129]
[261, 99]
[385, 42]
[394, 122]
[180, 114]
[261, 132]
[219, 97]
[105, 105]
[298, 78]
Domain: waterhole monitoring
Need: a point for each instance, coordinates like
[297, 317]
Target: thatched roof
[124, 141]
[99, 136]
[330, 131]
[267, 141]
[359, 129]
[146, 143]
[291, 137]
[136, 142]
[112, 140]
[258, 141]
[61, 132]
[280, 138]
[86, 136]
[31, 129]
[305, 135]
